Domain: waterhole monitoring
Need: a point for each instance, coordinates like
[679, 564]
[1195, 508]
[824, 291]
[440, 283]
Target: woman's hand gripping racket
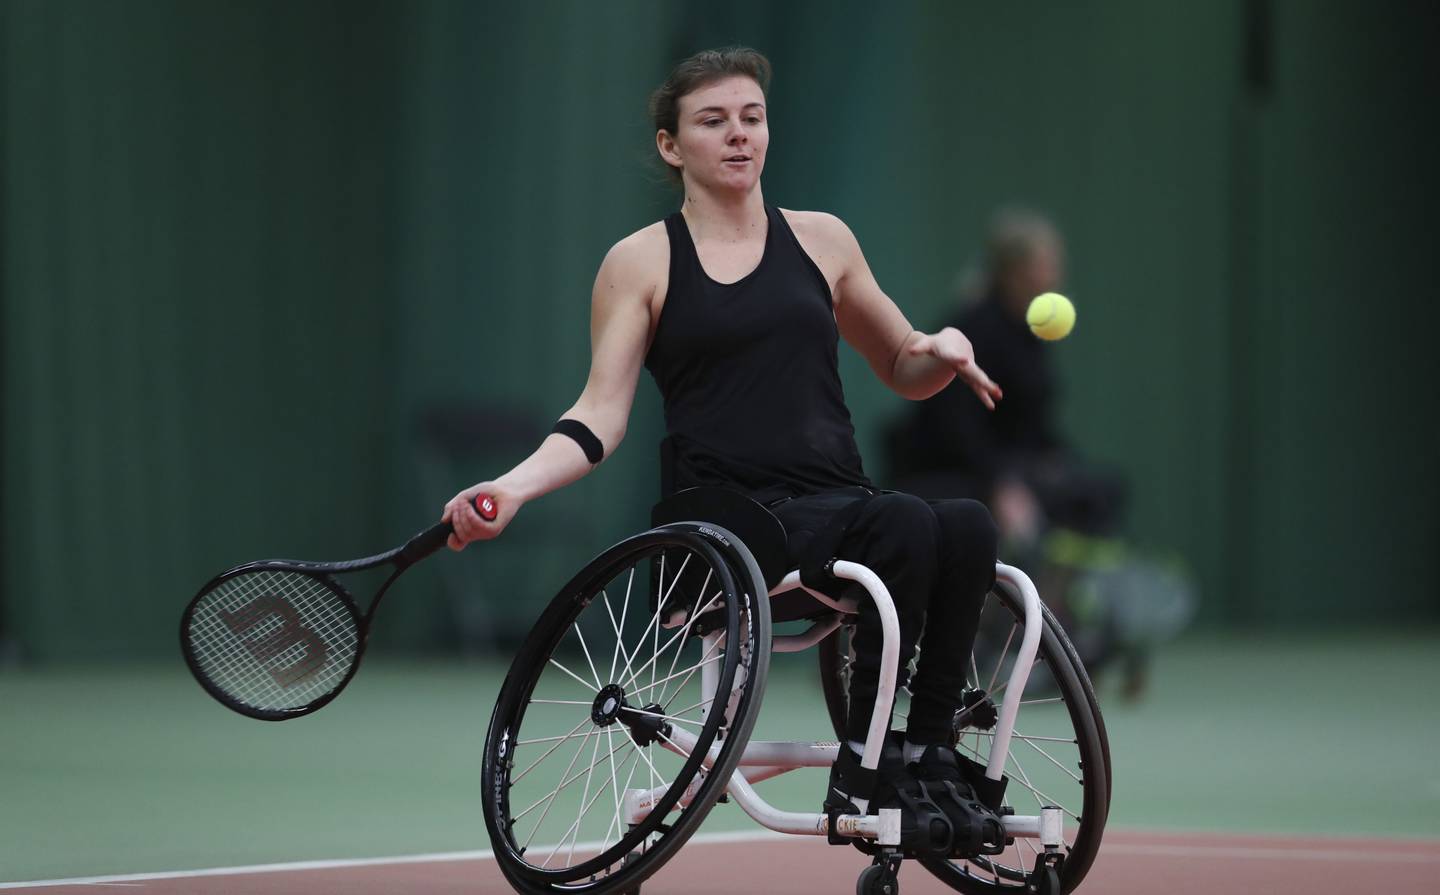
[280, 638]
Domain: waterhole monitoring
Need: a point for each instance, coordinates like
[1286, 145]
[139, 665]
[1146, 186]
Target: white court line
[341, 863]
[1345, 853]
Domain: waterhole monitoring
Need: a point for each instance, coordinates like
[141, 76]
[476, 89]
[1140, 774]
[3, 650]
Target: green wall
[252, 251]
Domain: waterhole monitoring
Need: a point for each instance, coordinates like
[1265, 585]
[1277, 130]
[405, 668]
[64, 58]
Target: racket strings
[274, 640]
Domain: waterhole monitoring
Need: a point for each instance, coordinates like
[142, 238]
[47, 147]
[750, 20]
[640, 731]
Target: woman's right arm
[620, 317]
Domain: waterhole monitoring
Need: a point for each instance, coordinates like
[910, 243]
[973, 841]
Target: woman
[735, 307]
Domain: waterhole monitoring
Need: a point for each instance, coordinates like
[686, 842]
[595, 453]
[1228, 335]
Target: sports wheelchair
[628, 710]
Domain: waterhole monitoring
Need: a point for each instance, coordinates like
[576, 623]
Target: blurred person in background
[1056, 511]
[1014, 459]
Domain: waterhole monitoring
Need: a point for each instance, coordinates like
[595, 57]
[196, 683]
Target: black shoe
[976, 828]
[924, 827]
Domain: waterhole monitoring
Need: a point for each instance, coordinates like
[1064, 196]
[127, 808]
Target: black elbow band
[581, 435]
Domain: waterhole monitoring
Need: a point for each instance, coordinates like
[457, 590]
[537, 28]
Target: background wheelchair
[628, 710]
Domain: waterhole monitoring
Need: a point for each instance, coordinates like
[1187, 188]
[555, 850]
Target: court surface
[1130, 863]
[1301, 763]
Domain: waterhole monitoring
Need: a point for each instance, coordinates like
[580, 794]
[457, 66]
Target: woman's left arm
[915, 365]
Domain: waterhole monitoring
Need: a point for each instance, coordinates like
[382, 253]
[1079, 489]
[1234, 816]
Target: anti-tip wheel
[877, 879]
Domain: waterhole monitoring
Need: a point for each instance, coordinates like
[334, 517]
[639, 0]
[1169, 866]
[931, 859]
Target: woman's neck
[728, 218]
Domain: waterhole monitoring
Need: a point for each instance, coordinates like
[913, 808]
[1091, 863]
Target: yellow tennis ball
[1051, 316]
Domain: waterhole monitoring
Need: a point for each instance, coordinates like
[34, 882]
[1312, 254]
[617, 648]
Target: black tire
[1083, 781]
[704, 568]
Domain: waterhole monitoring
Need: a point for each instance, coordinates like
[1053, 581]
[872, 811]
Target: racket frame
[402, 558]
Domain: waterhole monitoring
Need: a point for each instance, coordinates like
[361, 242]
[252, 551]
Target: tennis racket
[280, 638]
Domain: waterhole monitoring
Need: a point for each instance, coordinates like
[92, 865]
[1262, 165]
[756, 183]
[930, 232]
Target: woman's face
[721, 137]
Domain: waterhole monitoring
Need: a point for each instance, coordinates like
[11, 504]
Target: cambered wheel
[1059, 753]
[617, 664]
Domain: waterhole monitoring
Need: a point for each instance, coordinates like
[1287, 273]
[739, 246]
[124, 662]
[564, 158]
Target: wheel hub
[608, 703]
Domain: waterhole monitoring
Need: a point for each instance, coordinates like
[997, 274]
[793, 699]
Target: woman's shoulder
[826, 239]
[644, 243]
[821, 226]
[640, 252]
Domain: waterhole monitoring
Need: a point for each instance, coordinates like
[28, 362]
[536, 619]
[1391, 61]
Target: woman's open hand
[951, 347]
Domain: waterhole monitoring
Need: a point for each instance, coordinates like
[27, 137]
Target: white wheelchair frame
[763, 760]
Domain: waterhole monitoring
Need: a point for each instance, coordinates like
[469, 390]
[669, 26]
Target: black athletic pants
[937, 558]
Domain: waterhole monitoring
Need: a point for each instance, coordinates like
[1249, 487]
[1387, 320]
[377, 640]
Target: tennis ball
[1051, 316]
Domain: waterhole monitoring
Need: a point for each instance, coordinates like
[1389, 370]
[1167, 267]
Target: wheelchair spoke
[574, 831]
[620, 651]
[1024, 736]
[560, 702]
[571, 735]
[687, 672]
[550, 798]
[674, 637]
[614, 786]
[558, 742]
[694, 614]
[689, 708]
[1005, 683]
[616, 821]
[1025, 780]
[1041, 799]
[654, 619]
[1034, 852]
[588, 661]
[589, 773]
[678, 748]
[566, 781]
[624, 610]
[1050, 758]
[591, 687]
[665, 597]
[1000, 659]
[576, 775]
[654, 771]
[706, 660]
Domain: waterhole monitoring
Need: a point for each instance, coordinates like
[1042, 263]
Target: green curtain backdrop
[196, 221]
[279, 278]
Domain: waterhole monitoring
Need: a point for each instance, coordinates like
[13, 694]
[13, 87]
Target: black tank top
[749, 374]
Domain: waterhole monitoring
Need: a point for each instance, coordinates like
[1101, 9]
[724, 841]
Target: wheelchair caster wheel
[878, 879]
[1045, 878]
[633, 858]
[1047, 884]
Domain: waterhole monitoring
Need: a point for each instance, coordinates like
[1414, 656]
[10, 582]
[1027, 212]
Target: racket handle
[485, 506]
[434, 537]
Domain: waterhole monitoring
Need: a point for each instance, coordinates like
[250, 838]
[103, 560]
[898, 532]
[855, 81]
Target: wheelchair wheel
[1059, 753]
[602, 697]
